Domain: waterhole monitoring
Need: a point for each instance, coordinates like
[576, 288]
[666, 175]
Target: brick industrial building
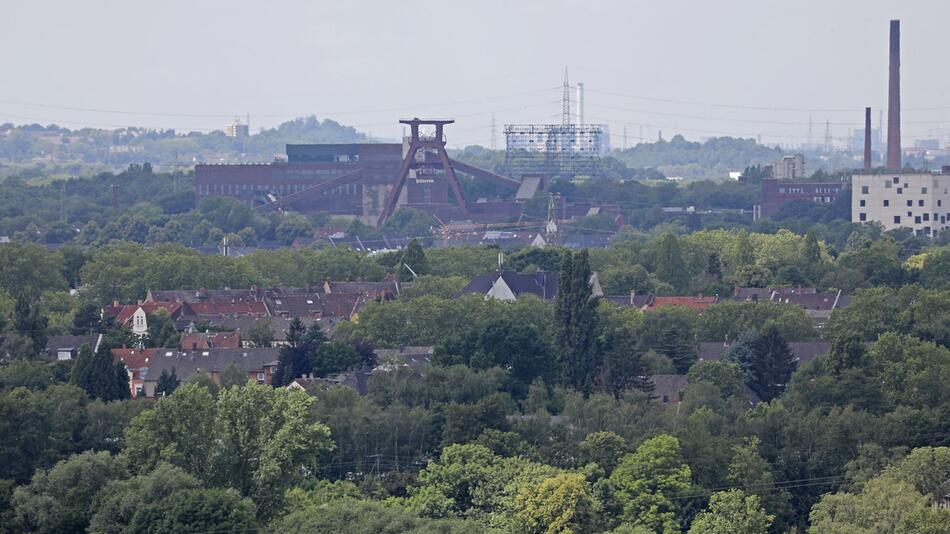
[367, 181]
[777, 192]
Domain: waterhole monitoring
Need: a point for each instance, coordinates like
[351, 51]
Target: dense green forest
[533, 416]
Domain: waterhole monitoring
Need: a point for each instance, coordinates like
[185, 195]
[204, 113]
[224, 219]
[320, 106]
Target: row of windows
[283, 189]
[887, 203]
[918, 219]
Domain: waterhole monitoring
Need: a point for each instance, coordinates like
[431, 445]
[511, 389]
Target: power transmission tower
[566, 101]
[828, 136]
[493, 131]
[809, 131]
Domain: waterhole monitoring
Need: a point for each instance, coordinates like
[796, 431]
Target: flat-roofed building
[917, 200]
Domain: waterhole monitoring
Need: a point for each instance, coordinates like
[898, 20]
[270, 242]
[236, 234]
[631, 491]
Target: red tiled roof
[134, 358]
[208, 340]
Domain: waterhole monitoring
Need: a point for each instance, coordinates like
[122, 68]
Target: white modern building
[919, 201]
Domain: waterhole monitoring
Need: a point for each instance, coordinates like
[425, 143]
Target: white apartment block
[919, 201]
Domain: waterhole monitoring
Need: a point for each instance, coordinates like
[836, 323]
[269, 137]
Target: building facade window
[887, 203]
[864, 189]
[863, 203]
[863, 216]
[897, 219]
[920, 202]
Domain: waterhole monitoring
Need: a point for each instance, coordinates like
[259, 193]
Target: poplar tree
[670, 266]
[576, 316]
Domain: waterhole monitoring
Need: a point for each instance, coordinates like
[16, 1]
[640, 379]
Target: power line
[268, 115]
[755, 108]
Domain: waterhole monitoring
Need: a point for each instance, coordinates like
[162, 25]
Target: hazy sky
[194, 64]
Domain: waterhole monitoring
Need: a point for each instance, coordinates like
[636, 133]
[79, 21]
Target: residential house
[67, 347]
[509, 285]
[191, 296]
[818, 306]
[761, 294]
[316, 305]
[356, 380]
[258, 363]
[137, 363]
[136, 315]
[403, 358]
[668, 390]
[241, 326]
[209, 340]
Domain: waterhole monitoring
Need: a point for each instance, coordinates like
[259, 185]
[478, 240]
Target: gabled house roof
[411, 357]
[668, 389]
[316, 305]
[541, 284]
[188, 362]
[279, 325]
[134, 358]
[203, 295]
[355, 380]
[814, 301]
[209, 340]
[767, 293]
[55, 344]
[124, 312]
[224, 309]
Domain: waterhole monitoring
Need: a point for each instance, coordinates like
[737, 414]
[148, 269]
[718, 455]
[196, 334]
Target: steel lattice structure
[555, 149]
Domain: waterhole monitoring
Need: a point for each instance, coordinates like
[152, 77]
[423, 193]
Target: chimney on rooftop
[894, 99]
[867, 138]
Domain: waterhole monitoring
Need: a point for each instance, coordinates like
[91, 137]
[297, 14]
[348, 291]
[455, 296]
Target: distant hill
[55, 148]
[711, 159]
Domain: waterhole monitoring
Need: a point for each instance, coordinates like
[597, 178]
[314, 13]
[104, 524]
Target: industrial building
[919, 201]
[571, 149]
[893, 197]
[777, 192]
[367, 181]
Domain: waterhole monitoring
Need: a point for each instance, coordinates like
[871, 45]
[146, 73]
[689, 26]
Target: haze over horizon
[738, 68]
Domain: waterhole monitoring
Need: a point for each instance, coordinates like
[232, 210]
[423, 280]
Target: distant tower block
[423, 144]
[867, 138]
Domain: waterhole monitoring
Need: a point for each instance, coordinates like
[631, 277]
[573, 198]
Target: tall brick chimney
[867, 138]
[894, 99]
